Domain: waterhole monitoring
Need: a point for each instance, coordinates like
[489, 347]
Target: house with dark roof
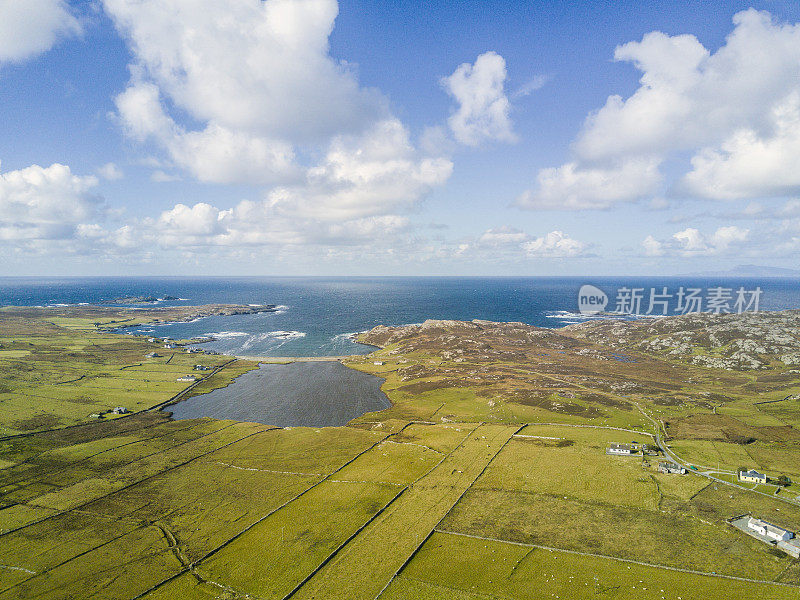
[621, 449]
[752, 476]
[670, 467]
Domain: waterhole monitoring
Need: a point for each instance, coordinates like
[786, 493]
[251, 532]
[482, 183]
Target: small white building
[187, 378]
[620, 449]
[671, 467]
[769, 530]
[378, 363]
[752, 476]
[170, 346]
[119, 410]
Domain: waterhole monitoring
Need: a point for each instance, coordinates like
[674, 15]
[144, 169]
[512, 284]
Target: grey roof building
[752, 476]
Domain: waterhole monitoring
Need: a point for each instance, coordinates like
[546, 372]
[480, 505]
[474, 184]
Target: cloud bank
[736, 111]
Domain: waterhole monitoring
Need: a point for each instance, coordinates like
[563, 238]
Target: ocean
[317, 316]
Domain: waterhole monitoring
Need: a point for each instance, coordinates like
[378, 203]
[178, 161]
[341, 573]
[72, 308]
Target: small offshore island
[141, 299]
[511, 461]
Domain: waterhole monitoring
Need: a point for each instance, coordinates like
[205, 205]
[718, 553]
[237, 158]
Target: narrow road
[707, 474]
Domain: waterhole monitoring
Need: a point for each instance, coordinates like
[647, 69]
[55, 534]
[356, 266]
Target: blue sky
[309, 137]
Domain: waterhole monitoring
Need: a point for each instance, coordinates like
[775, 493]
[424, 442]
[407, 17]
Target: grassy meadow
[487, 478]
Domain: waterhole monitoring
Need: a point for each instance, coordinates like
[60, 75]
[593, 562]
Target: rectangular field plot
[363, 567]
[116, 569]
[560, 489]
[279, 552]
[574, 464]
[396, 463]
[463, 568]
[304, 450]
[440, 437]
[670, 539]
[203, 504]
[90, 489]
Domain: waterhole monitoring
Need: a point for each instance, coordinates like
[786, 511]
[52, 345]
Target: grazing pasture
[488, 476]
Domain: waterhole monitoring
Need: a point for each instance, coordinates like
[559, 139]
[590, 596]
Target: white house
[671, 467]
[378, 363]
[769, 530]
[187, 378]
[752, 476]
[622, 449]
[170, 345]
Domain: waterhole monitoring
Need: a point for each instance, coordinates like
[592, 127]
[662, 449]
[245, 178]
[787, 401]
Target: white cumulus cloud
[692, 242]
[502, 235]
[246, 91]
[750, 163]
[46, 203]
[366, 175]
[255, 74]
[554, 244]
[652, 247]
[483, 112]
[690, 97]
[256, 224]
[214, 154]
[735, 109]
[31, 27]
[573, 186]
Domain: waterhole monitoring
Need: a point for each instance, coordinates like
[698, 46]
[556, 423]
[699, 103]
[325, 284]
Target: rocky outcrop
[748, 341]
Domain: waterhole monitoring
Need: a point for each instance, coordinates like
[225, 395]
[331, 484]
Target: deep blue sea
[318, 315]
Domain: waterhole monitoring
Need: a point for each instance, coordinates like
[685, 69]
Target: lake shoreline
[300, 393]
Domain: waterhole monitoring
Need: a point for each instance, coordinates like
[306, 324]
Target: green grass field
[463, 568]
[473, 485]
[615, 506]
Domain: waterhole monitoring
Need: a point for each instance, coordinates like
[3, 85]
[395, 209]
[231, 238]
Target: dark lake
[316, 394]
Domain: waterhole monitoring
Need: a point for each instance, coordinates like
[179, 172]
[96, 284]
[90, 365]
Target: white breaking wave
[284, 335]
[61, 305]
[223, 335]
[346, 337]
[281, 337]
[573, 318]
